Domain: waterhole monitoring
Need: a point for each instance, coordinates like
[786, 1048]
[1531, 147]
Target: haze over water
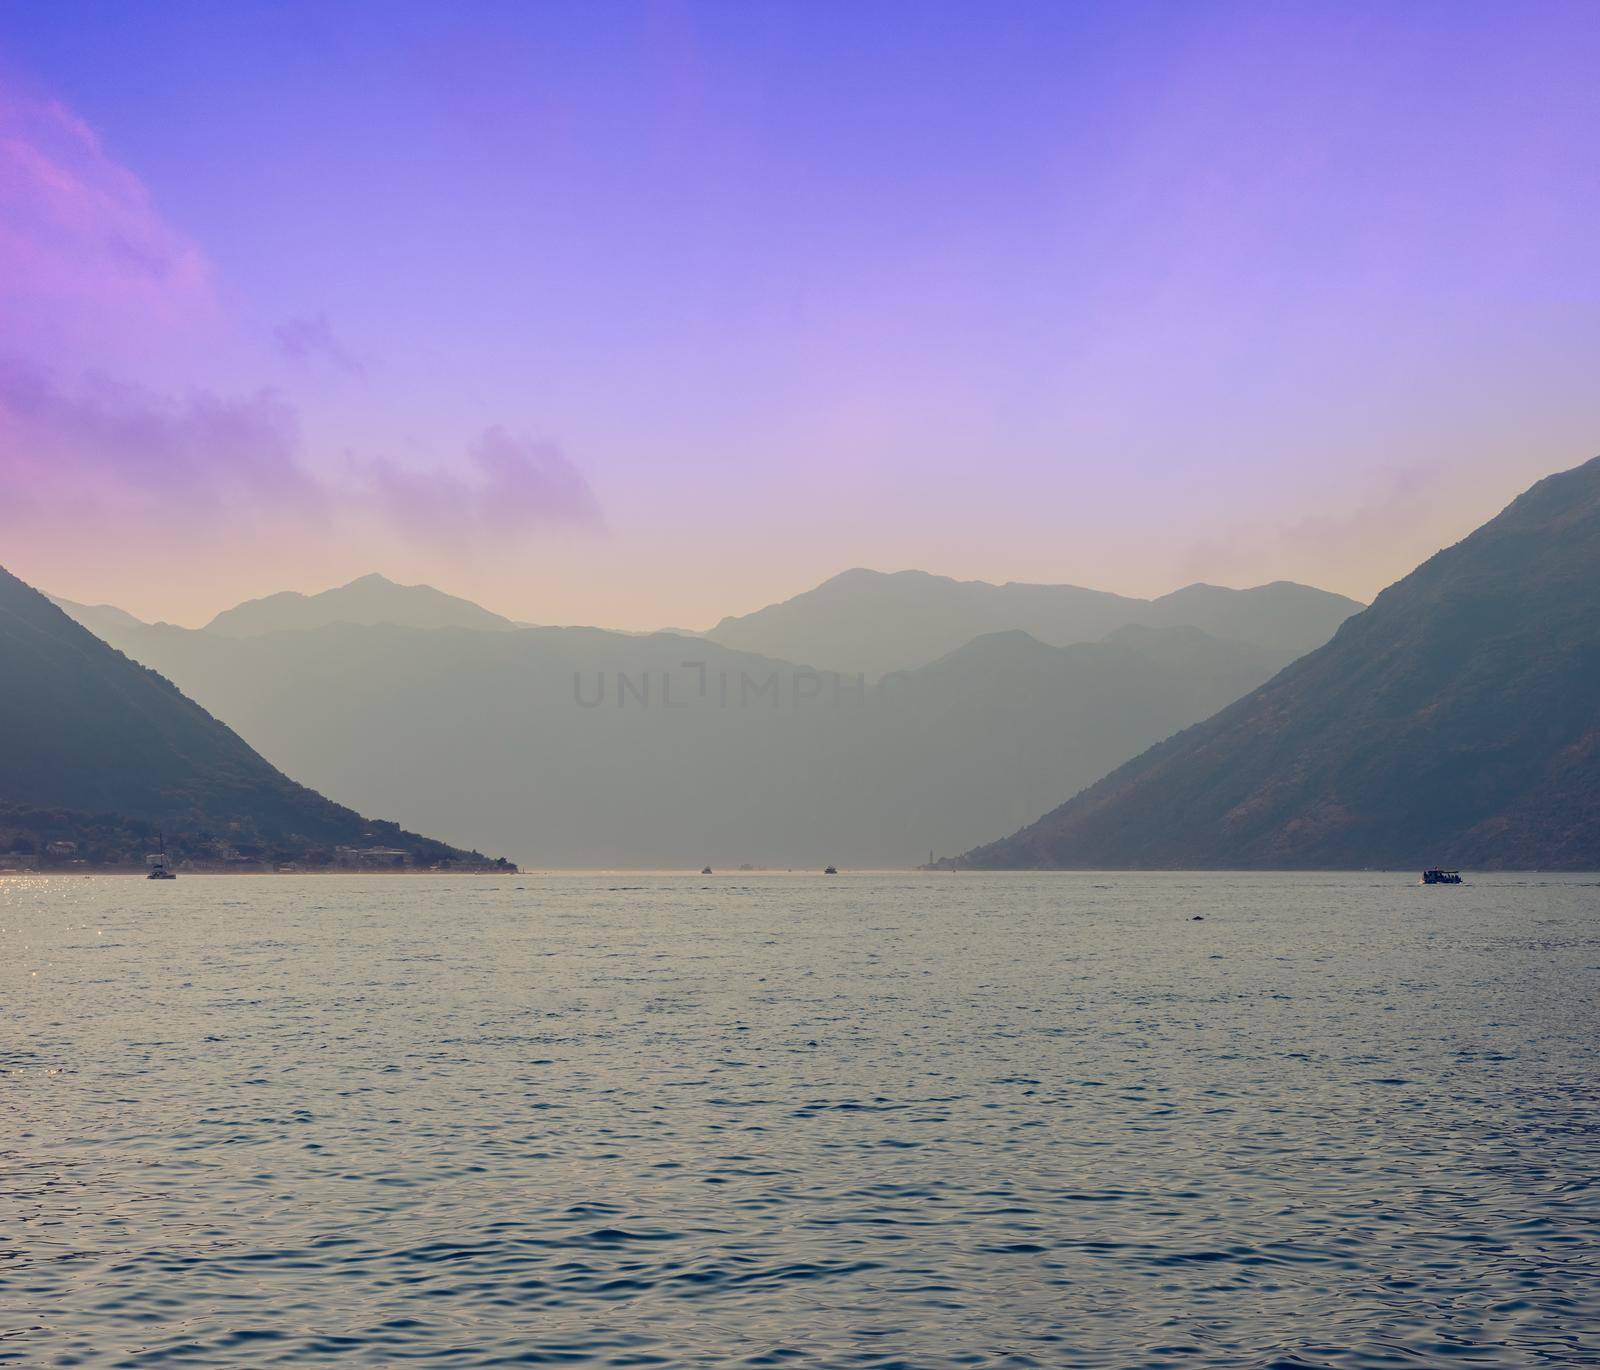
[876, 1120]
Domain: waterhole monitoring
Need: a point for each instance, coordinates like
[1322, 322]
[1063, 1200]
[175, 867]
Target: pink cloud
[512, 487]
[109, 443]
[77, 227]
[86, 260]
[125, 453]
[311, 339]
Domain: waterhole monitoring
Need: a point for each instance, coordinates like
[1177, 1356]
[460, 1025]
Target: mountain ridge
[86, 730]
[968, 745]
[877, 622]
[1452, 722]
[367, 600]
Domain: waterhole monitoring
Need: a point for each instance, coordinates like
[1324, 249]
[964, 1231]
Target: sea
[771, 1119]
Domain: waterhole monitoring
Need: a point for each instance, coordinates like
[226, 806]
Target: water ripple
[925, 1122]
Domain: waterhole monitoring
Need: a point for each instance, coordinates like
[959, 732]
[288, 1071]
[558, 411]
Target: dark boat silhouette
[159, 870]
[705, 870]
[1441, 877]
[830, 871]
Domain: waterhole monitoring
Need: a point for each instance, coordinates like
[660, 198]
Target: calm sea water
[904, 1120]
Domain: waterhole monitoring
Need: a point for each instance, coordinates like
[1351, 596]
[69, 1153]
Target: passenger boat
[1441, 877]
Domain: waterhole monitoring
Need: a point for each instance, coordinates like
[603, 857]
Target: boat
[1441, 877]
[705, 870]
[159, 870]
[830, 871]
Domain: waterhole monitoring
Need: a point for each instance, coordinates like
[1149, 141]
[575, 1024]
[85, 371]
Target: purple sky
[641, 314]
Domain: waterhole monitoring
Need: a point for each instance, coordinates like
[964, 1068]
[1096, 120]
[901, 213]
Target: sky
[643, 314]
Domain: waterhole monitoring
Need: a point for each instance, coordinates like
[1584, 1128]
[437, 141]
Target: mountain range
[483, 733]
[1456, 721]
[94, 743]
[873, 622]
[1453, 721]
[371, 599]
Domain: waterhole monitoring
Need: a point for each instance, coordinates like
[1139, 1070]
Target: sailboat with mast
[157, 861]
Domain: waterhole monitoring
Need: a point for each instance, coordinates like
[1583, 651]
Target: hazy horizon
[203, 616]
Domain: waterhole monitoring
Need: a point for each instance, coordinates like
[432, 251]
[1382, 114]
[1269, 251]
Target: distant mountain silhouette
[84, 730]
[1282, 615]
[369, 600]
[875, 623]
[461, 732]
[99, 619]
[1456, 721]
